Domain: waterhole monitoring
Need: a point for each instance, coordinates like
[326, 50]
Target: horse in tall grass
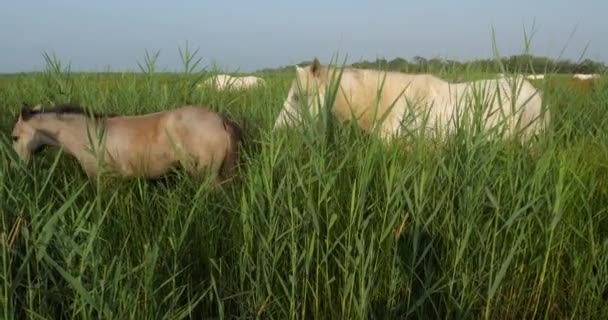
[385, 100]
[583, 76]
[535, 77]
[226, 82]
[147, 145]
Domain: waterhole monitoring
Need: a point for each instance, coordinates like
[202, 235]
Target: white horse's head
[306, 94]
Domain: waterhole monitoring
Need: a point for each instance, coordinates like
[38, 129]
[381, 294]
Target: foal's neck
[71, 132]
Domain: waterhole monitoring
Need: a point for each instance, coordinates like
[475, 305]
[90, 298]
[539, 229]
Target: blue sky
[248, 35]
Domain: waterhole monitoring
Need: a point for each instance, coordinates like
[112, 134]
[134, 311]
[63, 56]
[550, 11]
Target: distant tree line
[517, 63]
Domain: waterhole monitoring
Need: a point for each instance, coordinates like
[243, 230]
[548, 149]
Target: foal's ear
[315, 67]
[26, 112]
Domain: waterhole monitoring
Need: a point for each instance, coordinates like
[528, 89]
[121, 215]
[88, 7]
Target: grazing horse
[144, 145]
[358, 99]
[535, 77]
[227, 82]
[582, 76]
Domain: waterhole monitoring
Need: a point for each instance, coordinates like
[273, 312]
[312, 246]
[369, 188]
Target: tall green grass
[344, 227]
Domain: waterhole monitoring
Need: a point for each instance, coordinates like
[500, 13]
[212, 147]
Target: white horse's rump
[224, 82]
[406, 95]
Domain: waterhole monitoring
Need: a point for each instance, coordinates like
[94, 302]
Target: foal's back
[159, 139]
[180, 119]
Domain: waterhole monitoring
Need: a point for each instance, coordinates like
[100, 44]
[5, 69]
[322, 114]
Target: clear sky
[248, 35]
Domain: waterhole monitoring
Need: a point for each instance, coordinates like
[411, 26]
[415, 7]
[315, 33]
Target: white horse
[227, 82]
[358, 99]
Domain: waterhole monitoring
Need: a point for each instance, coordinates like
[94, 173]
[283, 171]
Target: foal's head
[29, 135]
[27, 139]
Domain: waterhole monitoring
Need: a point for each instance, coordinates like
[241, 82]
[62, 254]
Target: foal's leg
[201, 167]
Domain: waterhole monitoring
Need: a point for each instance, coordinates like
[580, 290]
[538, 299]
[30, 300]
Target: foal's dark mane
[62, 109]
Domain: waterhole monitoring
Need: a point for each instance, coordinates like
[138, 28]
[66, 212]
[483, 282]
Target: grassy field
[322, 222]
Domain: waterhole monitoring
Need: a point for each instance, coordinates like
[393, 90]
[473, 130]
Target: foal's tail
[232, 154]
